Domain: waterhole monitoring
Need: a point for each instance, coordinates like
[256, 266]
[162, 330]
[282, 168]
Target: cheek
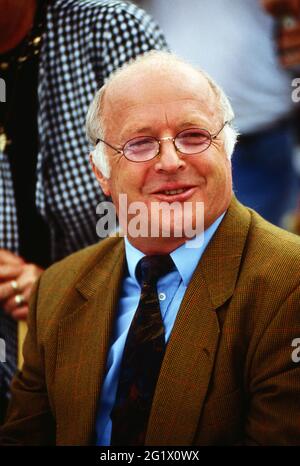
[118, 175]
[207, 166]
[219, 165]
[127, 178]
[217, 171]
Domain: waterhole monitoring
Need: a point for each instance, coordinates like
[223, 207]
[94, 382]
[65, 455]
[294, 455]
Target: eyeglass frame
[167, 138]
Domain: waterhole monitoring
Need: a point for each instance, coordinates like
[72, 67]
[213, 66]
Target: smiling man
[147, 121]
[144, 340]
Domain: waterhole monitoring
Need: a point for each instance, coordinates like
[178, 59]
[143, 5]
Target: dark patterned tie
[142, 358]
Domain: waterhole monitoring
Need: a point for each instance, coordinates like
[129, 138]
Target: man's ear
[102, 180]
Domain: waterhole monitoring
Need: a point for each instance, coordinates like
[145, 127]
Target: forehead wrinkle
[166, 117]
[165, 104]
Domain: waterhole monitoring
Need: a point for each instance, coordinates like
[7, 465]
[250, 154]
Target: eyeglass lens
[190, 141]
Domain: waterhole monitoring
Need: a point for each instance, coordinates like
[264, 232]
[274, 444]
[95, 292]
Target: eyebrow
[145, 129]
[148, 129]
[193, 124]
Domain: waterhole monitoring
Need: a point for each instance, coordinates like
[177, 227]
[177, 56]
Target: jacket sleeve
[29, 419]
[273, 415]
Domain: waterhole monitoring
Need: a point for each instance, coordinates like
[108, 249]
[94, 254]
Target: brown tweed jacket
[228, 376]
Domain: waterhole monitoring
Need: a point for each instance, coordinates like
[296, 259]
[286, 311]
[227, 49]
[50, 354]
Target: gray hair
[95, 123]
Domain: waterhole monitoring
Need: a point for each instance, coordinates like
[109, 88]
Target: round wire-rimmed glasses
[190, 141]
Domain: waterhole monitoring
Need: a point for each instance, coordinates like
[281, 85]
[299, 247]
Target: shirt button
[161, 296]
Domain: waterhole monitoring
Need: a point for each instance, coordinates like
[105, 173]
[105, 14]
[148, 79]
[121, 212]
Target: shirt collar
[186, 257]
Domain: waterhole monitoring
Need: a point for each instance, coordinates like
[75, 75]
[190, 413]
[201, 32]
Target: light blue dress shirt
[171, 289]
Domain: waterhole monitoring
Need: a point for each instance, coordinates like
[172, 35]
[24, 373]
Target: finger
[11, 304]
[294, 7]
[11, 271]
[289, 39]
[278, 7]
[290, 59]
[26, 281]
[8, 257]
[20, 313]
[30, 273]
[281, 7]
[26, 292]
[6, 291]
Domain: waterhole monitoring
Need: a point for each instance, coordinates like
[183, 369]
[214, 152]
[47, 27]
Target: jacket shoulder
[81, 262]
[273, 238]
[271, 258]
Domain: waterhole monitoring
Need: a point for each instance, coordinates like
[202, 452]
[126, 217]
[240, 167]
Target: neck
[156, 246]
[16, 20]
[165, 245]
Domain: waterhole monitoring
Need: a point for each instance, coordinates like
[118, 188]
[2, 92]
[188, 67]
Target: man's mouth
[174, 191]
[175, 194]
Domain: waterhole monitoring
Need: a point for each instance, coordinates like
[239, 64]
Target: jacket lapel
[83, 342]
[191, 351]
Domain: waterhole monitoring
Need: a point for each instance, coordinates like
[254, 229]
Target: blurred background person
[54, 55]
[287, 14]
[242, 47]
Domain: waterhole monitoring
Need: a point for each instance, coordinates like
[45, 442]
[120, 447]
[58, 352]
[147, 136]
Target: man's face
[161, 104]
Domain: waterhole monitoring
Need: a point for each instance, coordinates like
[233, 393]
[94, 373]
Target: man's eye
[140, 144]
[193, 137]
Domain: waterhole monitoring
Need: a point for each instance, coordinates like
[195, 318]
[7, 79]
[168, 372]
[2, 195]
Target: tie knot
[151, 268]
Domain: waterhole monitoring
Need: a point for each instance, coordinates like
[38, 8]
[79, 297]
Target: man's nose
[169, 159]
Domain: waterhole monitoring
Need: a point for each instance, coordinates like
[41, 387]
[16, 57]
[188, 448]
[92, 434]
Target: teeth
[174, 191]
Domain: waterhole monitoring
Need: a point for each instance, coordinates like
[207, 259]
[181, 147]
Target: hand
[287, 13]
[10, 268]
[288, 43]
[16, 279]
[8, 257]
[282, 7]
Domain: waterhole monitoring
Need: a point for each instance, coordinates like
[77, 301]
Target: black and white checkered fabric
[83, 42]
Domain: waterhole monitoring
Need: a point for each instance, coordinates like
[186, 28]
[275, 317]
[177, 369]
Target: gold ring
[14, 286]
[19, 299]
